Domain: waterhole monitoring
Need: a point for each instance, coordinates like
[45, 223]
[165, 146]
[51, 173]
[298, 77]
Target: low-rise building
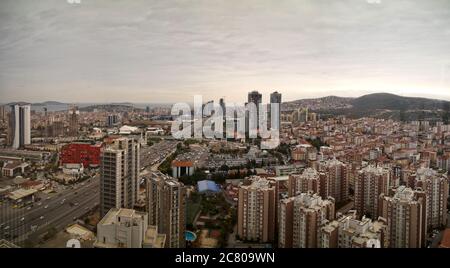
[127, 228]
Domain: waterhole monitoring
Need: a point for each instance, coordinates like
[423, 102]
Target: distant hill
[49, 103]
[110, 108]
[388, 101]
[380, 105]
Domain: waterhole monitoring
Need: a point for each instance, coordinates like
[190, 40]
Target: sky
[170, 50]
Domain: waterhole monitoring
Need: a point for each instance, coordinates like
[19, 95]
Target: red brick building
[85, 153]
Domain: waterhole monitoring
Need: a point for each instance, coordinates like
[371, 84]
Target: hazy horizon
[167, 51]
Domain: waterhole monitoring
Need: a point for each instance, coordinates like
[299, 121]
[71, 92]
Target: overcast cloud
[165, 51]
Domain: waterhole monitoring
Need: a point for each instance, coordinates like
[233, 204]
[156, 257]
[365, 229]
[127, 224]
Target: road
[156, 154]
[56, 210]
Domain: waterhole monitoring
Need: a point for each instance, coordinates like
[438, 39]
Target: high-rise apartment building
[309, 180]
[349, 232]
[166, 201]
[127, 228]
[19, 129]
[335, 182]
[257, 210]
[300, 219]
[405, 213]
[370, 182]
[435, 186]
[119, 174]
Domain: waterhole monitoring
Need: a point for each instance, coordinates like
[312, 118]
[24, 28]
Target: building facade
[127, 228]
[166, 201]
[335, 182]
[405, 213]
[301, 217]
[309, 180]
[84, 153]
[257, 210]
[19, 125]
[370, 182]
[435, 186]
[119, 172]
[350, 232]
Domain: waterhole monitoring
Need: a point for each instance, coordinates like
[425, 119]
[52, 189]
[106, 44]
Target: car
[6, 228]
[39, 203]
[46, 206]
[74, 218]
[41, 217]
[62, 201]
[22, 219]
[48, 198]
[76, 204]
[28, 208]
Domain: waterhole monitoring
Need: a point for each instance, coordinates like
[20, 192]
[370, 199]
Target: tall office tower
[275, 98]
[119, 171]
[112, 120]
[224, 116]
[349, 232]
[74, 115]
[256, 98]
[309, 180]
[127, 228]
[435, 186]
[335, 181]
[19, 125]
[301, 217]
[406, 217]
[257, 210]
[166, 200]
[369, 184]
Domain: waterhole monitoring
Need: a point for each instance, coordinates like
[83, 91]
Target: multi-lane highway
[57, 210]
[52, 211]
[156, 154]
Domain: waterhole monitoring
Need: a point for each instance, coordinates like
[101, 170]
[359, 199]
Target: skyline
[190, 102]
[166, 52]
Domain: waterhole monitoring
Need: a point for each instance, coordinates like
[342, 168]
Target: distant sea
[65, 107]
